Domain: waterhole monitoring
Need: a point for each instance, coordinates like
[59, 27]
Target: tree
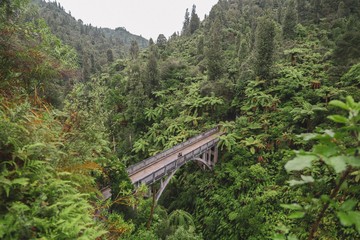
[341, 10]
[151, 74]
[110, 56]
[134, 50]
[9, 7]
[186, 25]
[194, 20]
[306, 112]
[302, 10]
[92, 63]
[151, 42]
[317, 8]
[183, 234]
[290, 21]
[200, 46]
[86, 68]
[214, 53]
[264, 47]
[346, 51]
[152, 46]
[161, 41]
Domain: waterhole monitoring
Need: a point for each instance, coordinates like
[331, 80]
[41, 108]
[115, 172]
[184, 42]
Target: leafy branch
[338, 151]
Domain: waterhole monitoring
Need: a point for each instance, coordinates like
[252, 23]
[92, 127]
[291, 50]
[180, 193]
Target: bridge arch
[166, 180]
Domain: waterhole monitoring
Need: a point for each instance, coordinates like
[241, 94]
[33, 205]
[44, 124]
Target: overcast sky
[148, 18]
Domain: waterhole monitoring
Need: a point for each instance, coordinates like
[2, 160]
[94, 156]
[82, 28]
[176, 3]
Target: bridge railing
[138, 166]
[170, 167]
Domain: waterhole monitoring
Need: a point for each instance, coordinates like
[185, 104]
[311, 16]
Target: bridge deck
[136, 176]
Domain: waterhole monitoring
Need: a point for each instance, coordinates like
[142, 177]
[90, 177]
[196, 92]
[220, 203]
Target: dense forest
[79, 104]
[95, 46]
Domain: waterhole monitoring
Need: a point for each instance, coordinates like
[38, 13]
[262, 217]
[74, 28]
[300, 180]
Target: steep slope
[95, 46]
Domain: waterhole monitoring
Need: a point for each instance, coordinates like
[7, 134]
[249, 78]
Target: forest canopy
[78, 105]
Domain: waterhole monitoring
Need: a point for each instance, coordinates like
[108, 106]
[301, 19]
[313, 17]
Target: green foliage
[37, 201]
[110, 56]
[173, 121]
[35, 60]
[87, 39]
[134, 50]
[345, 53]
[182, 234]
[334, 160]
[264, 45]
[290, 21]
[194, 20]
[161, 41]
[142, 234]
[9, 8]
[180, 218]
[214, 54]
[186, 24]
[234, 68]
[151, 80]
[352, 77]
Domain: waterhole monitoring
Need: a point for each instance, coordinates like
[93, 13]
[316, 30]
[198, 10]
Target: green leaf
[349, 218]
[293, 206]
[353, 161]
[282, 228]
[295, 182]
[278, 236]
[339, 104]
[348, 205]
[338, 163]
[307, 179]
[344, 218]
[296, 215]
[355, 216]
[252, 150]
[338, 118]
[330, 133]
[325, 198]
[350, 102]
[232, 216]
[20, 207]
[326, 150]
[309, 136]
[4, 180]
[7, 190]
[21, 181]
[300, 162]
[292, 237]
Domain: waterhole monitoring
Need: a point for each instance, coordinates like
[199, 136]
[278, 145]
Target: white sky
[148, 18]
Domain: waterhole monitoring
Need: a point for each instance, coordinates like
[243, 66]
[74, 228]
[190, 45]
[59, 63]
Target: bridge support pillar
[212, 156]
[215, 154]
[163, 184]
[209, 155]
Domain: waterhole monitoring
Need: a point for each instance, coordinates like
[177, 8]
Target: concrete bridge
[163, 166]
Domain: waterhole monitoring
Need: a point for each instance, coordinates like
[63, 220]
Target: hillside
[279, 77]
[95, 46]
